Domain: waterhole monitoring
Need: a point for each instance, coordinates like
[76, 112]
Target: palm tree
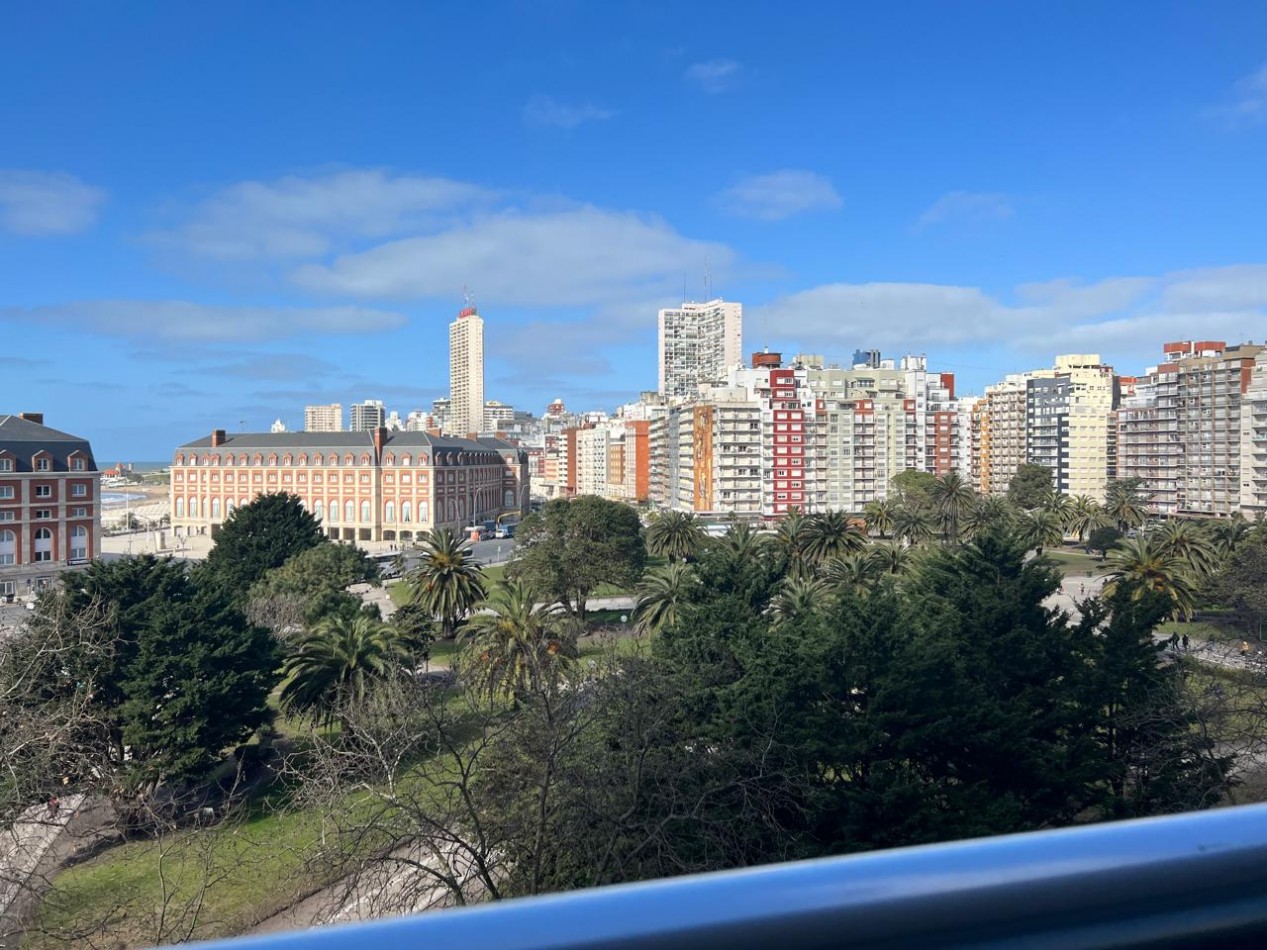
[992, 511]
[1186, 541]
[675, 535]
[447, 581]
[799, 597]
[792, 537]
[1042, 528]
[740, 543]
[660, 594]
[514, 645]
[1061, 505]
[880, 516]
[1228, 535]
[892, 558]
[336, 662]
[832, 534]
[953, 498]
[1148, 567]
[1124, 503]
[912, 525]
[856, 572]
[1085, 515]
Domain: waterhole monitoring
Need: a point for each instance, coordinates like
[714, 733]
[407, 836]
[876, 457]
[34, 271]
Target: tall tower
[466, 372]
[699, 343]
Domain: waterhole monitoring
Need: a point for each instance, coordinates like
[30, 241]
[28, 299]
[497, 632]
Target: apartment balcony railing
[1198, 879]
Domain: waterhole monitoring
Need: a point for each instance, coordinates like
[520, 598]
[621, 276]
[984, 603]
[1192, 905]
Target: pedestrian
[1174, 643]
[1082, 589]
[54, 805]
[1244, 648]
[1186, 641]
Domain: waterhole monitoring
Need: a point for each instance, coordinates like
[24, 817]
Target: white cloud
[577, 257]
[543, 110]
[179, 321]
[46, 203]
[1129, 316]
[715, 75]
[966, 207]
[779, 195]
[1249, 100]
[298, 217]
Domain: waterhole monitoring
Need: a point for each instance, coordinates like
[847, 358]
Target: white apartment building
[466, 373]
[498, 417]
[327, 418]
[591, 461]
[699, 343]
[367, 416]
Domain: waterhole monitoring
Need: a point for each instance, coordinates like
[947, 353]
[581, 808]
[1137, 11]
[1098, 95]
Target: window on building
[349, 511]
[6, 465]
[365, 512]
[78, 465]
[43, 465]
[79, 491]
[43, 514]
[8, 547]
[423, 509]
[215, 509]
[6, 491]
[319, 510]
[78, 543]
[406, 512]
[180, 507]
[8, 515]
[43, 491]
[43, 545]
[389, 512]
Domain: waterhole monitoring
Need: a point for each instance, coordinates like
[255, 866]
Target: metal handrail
[1195, 879]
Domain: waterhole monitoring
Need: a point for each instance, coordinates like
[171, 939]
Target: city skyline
[990, 190]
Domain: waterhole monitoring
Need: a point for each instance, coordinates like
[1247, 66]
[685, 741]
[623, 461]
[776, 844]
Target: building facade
[466, 374]
[1254, 441]
[361, 486]
[50, 505]
[367, 416]
[327, 418]
[699, 343]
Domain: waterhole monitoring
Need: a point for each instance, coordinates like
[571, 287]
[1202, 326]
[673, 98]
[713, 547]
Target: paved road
[23, 845]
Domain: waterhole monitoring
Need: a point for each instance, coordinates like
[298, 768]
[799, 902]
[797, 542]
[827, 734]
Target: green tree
[892, 558]
[311, 585]
[913, 525]
[515, 647]
[798, 598]
[1030, 487]
[1042, 528]
[676, 535]
[1124, 502]
[416, 628]
[337, 663]
[257, 538]
[832, 534]
[879, 516]
[989, 513]
[1242, 583]
[570, 547]
[914, 489]
[857, 573]
[447, 583]
[1185, 540]
[1103, 539]
[792, 539]
[1142, 566]
[660, 594]
[952, 498]
[1085, 515]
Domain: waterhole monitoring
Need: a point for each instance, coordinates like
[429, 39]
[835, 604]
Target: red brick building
[50, 507]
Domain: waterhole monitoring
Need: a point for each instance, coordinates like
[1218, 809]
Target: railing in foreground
[1198, 879]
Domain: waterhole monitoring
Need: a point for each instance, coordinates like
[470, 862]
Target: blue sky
[213, 214]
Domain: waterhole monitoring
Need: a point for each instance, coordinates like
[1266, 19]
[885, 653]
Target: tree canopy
[258, 538]
[570, 547]
[1031, 486]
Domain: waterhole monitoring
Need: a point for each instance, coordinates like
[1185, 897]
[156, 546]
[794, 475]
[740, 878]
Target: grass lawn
[1074, 563]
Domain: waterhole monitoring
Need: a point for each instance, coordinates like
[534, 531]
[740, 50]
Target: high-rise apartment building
[498, 417]
[466, 373]
[1181, 433]
[324, 418]
[367, 416]
[699, 343]
[1254, 441]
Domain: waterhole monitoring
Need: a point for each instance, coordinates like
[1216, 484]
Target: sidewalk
[25, 844]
